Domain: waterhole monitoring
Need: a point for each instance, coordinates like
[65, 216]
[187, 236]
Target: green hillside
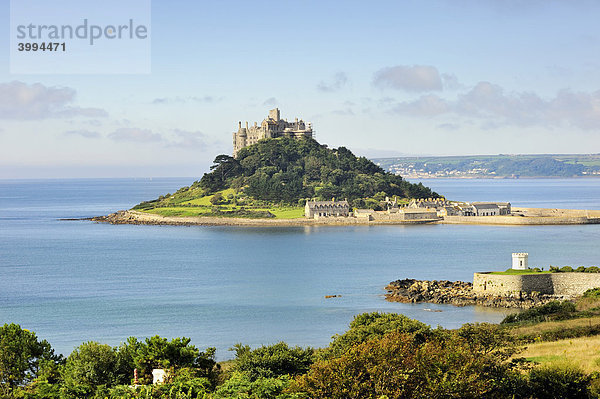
[274, 177]
[534, 165]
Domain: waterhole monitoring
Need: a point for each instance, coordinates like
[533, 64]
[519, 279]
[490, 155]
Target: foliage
[158, 352]
[367, 326]
[240, 385]
[90, 366]
[23, 358]
[272, 361]
[288, 170]
[558, 381]
[592, 293]
[555, 310]
[398, 366]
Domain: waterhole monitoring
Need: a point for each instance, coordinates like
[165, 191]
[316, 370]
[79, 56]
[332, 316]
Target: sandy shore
[520, 216]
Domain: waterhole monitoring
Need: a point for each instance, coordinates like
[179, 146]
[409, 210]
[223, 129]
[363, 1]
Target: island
[279, 175]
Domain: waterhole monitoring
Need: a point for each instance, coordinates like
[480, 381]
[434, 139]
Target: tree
[22, 357]
[88, 367]
[158, 352]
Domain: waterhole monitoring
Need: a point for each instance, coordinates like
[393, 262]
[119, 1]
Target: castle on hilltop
[271, 127]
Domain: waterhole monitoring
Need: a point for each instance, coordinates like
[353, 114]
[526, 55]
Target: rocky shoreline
[522, 216]
[460, 293]
[143, 218]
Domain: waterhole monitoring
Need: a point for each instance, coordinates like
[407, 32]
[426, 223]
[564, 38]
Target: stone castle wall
[516, 220]
[564, 284]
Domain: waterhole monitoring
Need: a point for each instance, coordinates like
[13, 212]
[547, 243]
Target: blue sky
[382, 78]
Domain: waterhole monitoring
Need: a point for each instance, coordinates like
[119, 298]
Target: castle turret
[520, 261]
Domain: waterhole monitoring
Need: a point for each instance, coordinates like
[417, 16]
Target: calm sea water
[73, 281]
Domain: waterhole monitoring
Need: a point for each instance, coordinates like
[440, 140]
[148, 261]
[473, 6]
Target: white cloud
[188, 139]
[491, 104]
[181, 100]
[416, 78]
[337, 83]
[83, 133]
[134, 134]
[19, 100]
[271, 102]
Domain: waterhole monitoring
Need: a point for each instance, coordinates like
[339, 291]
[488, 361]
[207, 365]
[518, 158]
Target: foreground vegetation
[380, 356]
[274, 177]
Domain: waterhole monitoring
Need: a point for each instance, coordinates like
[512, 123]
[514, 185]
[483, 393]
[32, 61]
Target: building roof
[328, 203]
[485, 205]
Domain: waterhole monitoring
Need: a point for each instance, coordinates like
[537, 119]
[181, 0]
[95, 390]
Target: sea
[72, 281]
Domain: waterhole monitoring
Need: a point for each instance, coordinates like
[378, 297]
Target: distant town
[494, 166]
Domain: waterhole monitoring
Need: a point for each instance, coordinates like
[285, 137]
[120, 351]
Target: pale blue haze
[73, 281]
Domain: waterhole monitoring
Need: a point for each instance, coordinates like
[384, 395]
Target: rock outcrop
[459, 293]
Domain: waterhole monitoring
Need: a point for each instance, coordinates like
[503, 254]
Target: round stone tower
[520, 261]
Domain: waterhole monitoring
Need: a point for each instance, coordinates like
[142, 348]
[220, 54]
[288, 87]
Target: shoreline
[520, 217]
[460, 293]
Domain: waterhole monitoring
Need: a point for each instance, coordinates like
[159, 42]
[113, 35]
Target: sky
[382, 78]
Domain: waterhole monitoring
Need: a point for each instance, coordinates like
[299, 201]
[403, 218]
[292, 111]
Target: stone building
[317, 209]
[520, 260]
[271, 127]
[491, 208]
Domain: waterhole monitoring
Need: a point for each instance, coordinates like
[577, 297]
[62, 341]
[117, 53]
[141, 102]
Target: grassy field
[584, 352]
[539, 328]
[230, 205]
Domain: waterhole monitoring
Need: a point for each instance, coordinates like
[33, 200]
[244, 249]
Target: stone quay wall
[562, 284]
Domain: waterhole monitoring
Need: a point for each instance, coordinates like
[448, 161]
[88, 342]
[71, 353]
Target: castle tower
[520, 261]
[274, 114]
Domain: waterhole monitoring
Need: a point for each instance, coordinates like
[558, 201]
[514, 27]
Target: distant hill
[286, 171]
[546, 165]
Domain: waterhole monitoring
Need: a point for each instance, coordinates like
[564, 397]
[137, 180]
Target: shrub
[536, 269]
[396, 365]
[272, 361]
[216, 199]
[371, 325]
[554, 269]
[592, 269]
[580, 269]
[592, 293]
[566, 269]
[550, 310]
[559, 381]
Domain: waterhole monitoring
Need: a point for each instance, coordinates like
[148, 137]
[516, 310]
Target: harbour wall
[562, 284]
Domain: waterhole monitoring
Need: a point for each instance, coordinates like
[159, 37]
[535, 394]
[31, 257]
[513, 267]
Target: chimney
[246, 125]
[240, 124]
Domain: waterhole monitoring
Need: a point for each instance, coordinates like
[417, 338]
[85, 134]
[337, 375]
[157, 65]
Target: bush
[216, 199]
[241, 386]
[372, 325]
[580, 269]
[536, 269]
[398, 366]
[592, 293]
[592, 269]
[559, 381]
[551, 310]
[554, 269]
[272, 361]
[566, 269]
